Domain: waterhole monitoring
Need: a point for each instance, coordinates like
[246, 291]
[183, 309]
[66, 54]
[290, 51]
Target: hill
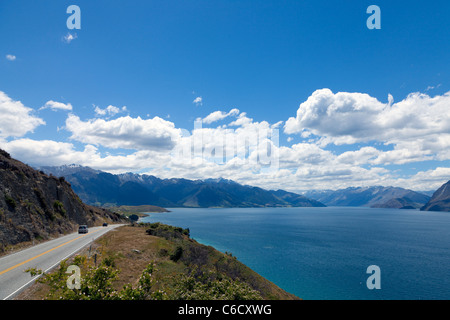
[440, 201]
[398, 203]
[376, 196]
[173, 265]
[35, 206]
[102, 188]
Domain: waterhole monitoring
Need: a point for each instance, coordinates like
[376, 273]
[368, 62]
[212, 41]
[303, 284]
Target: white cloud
[220, 115]
[54, 153]
[109, 110]
[54, 105]
[242, 120]
[69, 37]
[417, 127]
[231, 151]
[15, 119]
[433, 87]
[10, 57]
[346, 118]
[390, 99]
[48, 152]
[359, 157]
[125, 132]
[424, 180]
[198, 101]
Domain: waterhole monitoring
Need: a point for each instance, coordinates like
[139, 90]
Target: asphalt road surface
[43, 256]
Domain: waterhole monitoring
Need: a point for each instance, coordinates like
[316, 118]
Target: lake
[324, 253]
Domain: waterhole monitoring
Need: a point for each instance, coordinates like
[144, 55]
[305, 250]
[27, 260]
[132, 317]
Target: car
[83, 229]
[105, 224]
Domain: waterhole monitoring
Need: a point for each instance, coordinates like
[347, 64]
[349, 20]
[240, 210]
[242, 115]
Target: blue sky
[150, 60]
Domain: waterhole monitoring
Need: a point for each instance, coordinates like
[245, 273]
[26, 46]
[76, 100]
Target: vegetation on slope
[155, 261]
[35, 206]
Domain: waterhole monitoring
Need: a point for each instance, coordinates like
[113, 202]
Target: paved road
[43, 256]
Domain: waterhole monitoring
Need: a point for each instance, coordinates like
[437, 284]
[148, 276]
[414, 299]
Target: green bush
[177, 254]
[10, 201]
[97, 283]
[190, 287]
[133, 217]
[165, 231]
[59, 207]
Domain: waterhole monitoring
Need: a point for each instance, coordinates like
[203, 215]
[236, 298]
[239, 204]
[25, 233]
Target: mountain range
[102, 188]
[376, 197]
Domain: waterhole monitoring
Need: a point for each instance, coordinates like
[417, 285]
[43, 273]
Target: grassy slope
[133, 249]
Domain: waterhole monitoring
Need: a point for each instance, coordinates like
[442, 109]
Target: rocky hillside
[36, 206]
[440, 201]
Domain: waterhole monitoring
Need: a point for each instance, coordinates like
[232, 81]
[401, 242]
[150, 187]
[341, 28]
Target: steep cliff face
[34, 205]
[440, 201]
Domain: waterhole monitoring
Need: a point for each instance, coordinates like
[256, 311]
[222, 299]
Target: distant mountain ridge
[376, 196]
[440, 201]
[102, 188]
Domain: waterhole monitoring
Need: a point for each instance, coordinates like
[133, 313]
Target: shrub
[10, 201]
[134, 218]
[189, 287]
[166, 231]
[177, 254]
[59, 207]
[97, 283]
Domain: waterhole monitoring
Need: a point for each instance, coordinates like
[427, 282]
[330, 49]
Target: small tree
[134, 218]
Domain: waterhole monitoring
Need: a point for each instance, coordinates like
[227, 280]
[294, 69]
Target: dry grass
[132, 249]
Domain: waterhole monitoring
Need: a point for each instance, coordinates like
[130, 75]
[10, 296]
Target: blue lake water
[323, 253]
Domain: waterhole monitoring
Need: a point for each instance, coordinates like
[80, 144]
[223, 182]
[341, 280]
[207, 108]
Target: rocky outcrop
[34, 205]
[440, 201]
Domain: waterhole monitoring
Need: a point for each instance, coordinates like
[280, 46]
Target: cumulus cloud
[48, 152]
[125, 132]
[109, 110]
[346, 118]
[412, 130]
[242, 120]
[55, 153]
[54, 105]
[220, 115]
[198, 101]
[424, 180]
[10, 57]
[250, 146]
[359, 157]
[16, 119]
[418, 126]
